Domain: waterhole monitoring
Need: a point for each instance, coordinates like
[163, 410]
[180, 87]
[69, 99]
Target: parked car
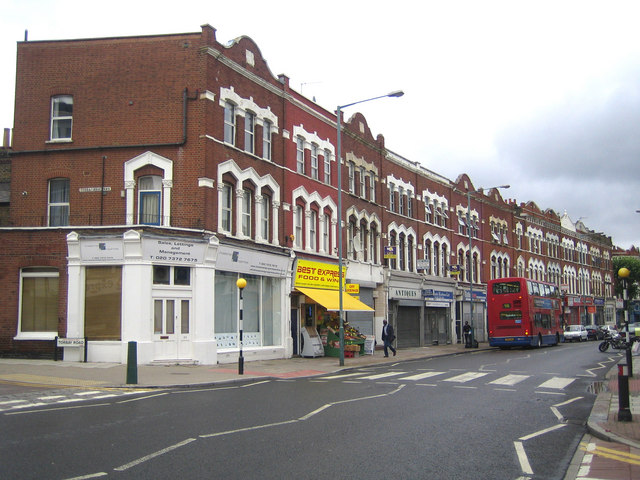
[574, 333]
[612, 329]
[593, 332]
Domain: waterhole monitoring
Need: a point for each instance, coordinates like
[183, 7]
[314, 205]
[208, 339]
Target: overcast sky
[541, 95]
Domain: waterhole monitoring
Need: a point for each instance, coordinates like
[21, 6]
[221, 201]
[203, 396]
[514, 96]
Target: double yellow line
[612, 454]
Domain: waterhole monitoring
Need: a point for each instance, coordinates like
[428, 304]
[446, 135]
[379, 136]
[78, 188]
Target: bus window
[547, 290]
[502, 288]
[534, 288]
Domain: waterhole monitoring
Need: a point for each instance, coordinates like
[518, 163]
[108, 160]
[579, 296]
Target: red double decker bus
[523, 312]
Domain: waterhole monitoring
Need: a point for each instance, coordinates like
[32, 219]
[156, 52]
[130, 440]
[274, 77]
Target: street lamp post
[397, 93]
[241, 283]
[469, 231]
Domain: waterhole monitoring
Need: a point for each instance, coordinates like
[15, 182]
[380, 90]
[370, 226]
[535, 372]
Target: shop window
[58, 202]
[38, 300]
[103, 303]
[61, 117]
[262, 311]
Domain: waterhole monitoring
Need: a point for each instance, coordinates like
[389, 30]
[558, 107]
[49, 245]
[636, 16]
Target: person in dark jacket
[467, 334]
[388, 337]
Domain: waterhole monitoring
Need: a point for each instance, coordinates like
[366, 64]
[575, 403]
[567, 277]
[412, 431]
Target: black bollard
[624, 411]
[132, 363]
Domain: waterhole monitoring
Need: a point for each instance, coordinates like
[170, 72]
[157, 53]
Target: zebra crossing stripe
[421, 376]
[509, 380]
[557, 383]
[382, 375]
[465, 377]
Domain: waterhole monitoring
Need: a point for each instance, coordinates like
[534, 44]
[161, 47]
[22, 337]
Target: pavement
[611, 450]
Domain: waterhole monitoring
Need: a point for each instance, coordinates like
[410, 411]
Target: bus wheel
[539, 343]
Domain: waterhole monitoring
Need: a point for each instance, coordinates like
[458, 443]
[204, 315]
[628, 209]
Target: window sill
[60, 140]
[36, 336]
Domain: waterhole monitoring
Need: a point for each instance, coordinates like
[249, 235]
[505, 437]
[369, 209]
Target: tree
[633, 265]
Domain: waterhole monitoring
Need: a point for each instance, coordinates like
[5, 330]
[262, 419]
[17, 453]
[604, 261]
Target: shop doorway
[171, 328]
[408, 328]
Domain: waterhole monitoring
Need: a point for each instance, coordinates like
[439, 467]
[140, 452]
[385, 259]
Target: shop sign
[390, 252]
[404, 293]
[437, 295]
[423, 264]
[437, 304]
[478, 296]
[173, 250]
[102, 250]
[241, 260]
[352, 288]
[312, 274]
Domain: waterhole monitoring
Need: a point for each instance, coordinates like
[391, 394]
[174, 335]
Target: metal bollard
[132, 363]
[624, 411]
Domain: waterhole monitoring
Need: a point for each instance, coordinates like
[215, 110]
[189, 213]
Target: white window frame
[249, 132]
[265, 218]
[35, 272]
[327, 167]
[314, 161]
[300, 155]
[229, 123]
[59, 121]
[313, 229]
[298, 226]
[247, 218]
[63, 205]
[226, 208]
[267, 128]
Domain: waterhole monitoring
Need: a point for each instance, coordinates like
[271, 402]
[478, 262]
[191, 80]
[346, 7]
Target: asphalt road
[496, 415]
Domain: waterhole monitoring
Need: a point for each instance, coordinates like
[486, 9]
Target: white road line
[382, 375]
[542, 432]
[92, 392]
[557, 383]
[465, 377]
[421, 376]
[87, 477]
[142, 398]
[51, 397]
[334, 377]
[522, 458]
[12, 402]
[509, 380]
[154, 455]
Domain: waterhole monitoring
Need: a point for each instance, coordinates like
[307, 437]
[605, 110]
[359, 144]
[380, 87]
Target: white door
[172, 337]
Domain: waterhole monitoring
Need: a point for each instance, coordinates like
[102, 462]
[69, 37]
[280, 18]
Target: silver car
[574, 333]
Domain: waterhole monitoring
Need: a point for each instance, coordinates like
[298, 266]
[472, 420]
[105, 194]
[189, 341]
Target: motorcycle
[614, 340]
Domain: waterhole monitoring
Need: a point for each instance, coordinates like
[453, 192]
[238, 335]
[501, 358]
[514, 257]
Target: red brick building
[149, 173]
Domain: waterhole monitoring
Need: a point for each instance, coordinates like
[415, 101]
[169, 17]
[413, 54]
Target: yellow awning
[330, 300]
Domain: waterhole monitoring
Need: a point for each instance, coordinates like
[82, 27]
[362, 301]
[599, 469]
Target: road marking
[51, 397]
[525, 466]
[509, 380]
[382, 375]
[154, 455]
[91, 475]
[557, 383]
[542, 432]
[421, 376]
[611, 453]
[142, 398]
[465, 377]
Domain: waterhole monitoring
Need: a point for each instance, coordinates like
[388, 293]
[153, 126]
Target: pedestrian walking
[388, 337]
[467, 334]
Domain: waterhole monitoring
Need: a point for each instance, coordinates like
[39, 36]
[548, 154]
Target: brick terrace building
[149, 173]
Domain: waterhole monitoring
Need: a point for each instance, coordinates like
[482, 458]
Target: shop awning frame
[330, 300]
